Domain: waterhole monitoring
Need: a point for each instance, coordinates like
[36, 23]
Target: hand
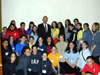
[73, 66]
[81, 70]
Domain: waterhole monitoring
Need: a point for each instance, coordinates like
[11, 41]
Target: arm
[83, 73]
[92, 48]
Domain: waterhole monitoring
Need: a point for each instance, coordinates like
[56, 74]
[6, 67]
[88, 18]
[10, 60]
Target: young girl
[29, 30]
[45, 66]
[12, 43]
[83, 55]
[10, 66]
[41, 46]
[67, 34]
[79, 35]
[61, 28]
[54, 57]
[30, 44]
[34, 33]
[54, 32]
[71, 58]
[49, 44]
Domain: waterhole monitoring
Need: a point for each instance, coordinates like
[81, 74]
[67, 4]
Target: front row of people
[35, 63]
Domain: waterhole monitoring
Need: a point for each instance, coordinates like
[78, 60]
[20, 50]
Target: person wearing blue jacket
[20, 45]
[87, 35]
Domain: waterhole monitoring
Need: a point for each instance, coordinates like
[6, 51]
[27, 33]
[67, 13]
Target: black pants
[62, 68]
[71, 70]
[32, 73]
[20, 72]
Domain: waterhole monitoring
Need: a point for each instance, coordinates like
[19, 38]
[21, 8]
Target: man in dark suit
[44, 29]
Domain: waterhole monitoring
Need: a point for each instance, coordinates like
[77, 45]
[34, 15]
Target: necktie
[45, 28]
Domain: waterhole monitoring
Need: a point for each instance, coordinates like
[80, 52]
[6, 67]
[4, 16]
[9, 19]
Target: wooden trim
[1, 70]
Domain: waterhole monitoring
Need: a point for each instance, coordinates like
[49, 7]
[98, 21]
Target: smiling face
[13, 57]
[44, 56]
[34, 49]
[71, 45]
[27, 52]
[11, 39]
[12, 27]
[85, 27]
[53, 50]
[5, 44]
[90, 62]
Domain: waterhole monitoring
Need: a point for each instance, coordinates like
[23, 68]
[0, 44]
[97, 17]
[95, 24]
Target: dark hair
[31, 37]
[54, 46]
[11, 25]
[4, 27]
[86, 43]
[34, 46]
[74, 49]
[90, 57]
[22, 23]
[52, 43]
[71, 26]
[9, 58]
[97, 27]
[4, 40]
[76, 19]
[24, 49]
[61, 35]
[45, 53]
[31, 22]
[12, 22]
[81, 26]
[37, 42]
[68, 22]
[86, 25]
[33, 30]
[55, 24]
[22, 36]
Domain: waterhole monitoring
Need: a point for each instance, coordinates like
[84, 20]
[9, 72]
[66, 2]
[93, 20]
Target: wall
[59, 10]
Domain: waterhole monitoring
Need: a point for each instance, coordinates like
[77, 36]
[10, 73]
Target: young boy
[91, 66]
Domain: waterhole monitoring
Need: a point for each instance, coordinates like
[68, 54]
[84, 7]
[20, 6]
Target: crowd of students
[53, 49]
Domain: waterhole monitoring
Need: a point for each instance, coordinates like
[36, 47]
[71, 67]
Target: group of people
[53, 49]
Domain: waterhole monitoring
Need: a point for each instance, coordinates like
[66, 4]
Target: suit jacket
[42, 33]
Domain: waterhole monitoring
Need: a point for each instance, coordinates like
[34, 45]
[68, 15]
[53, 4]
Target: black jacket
[42, 33]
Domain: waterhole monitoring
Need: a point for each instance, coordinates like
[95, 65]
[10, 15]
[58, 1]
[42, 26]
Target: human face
[78, 26]
[12, 27]
[5, 44]
[84, 46]
[93, 28]
[45, 20]
[71, 45]
[23, 39]
[61, 38]
[34, 49]
[49, 39]
[34, 28]
[5, 30]
[90, 62]
[75, 22]
[23, 26]
[13, 57]
[31, 40]
[66, 23]
[11, 39]
[59, 25]
[27, 52]
[40, 40]
[54, 25]
[85, 27]
[71, 28]
[44, 56]
[53, 50]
